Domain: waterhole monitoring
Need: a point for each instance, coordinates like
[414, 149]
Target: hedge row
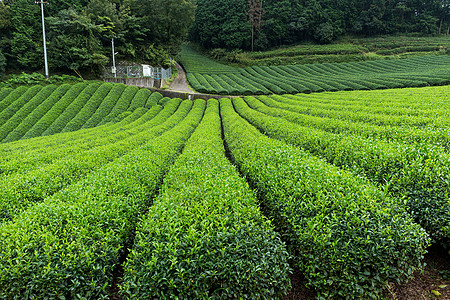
[4, 92]
[347, 237]
[341, 49]
[208, 84]
[54, 111]
[12, 97]
[9, 111]
[72, 110]
[19, 114]
[30, 120]
[154, 99]
[69, 246]
[411, 72]
[43, 153]
[106, 106]
[366, 117]
[206, 219]
[413, 102]
[88, 109]
[417, 175]
[19, 191]
[122, 104]
[40, 143]
[140, 99]
[295, 114]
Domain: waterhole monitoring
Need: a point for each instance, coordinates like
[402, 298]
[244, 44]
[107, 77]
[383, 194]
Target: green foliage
[35, 116]
[37, 78]
[140, 99]
[348, 237]
[122, 104]
[67, 170]
[207, 76]
[80, 233]
[17, 113]
[224, 23]
[241, 252]
[106, 106]
[72, 110]
[154, 99]
[88, 109]
[2, 64]
[414, 173]
[64, 145]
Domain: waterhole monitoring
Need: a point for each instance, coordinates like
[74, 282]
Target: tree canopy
[224, 23]
[79, 32]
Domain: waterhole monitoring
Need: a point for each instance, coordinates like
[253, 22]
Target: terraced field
[128, 194]
[37, 111]
[207, 76]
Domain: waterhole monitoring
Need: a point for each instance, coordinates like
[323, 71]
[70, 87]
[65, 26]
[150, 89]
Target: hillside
[28, 112]
[196, 199]
[208, 76]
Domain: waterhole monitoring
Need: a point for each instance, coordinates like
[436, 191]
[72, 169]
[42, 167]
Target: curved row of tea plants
[207, 76]
[207, 221]
[346, 236]
[41, 152]
[306, 117]
[70, 244]
[19, 191]
[36, 111]
[418, 174]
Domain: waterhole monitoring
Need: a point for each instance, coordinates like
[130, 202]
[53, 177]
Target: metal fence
[138, 71]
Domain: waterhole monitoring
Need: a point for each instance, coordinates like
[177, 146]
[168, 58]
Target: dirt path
[180, 83]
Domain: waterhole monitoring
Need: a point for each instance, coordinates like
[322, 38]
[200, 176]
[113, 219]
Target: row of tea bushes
[17, 114]
[69, 246]
[417, 175]
[204, 237]
[54, 111]
[85, 111]
[72, 110]
[365, 117]
[106, 106]
[12, 96]
[368, 75]
[346, 236]
[122, 104]
[36, 111]
[296, 114]
[31, 119]
[21, 190]
[45, 151]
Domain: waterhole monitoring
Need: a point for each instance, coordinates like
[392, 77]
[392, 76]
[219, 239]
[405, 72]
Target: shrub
[240, 256]
[348, 237]
[80, 233]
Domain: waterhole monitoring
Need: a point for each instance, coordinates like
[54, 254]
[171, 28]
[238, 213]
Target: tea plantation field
[109, 191]
[208, 76]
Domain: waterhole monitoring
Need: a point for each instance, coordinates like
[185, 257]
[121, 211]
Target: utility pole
[114, 59]
[43, 34]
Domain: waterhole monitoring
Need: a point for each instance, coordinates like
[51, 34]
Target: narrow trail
[180, 83]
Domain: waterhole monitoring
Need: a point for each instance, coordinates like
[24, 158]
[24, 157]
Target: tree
[74, 42]
[221, 24]
[167, 22]
[255, 16]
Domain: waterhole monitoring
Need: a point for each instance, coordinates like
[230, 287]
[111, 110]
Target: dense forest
[79, 32]
[229, 23]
